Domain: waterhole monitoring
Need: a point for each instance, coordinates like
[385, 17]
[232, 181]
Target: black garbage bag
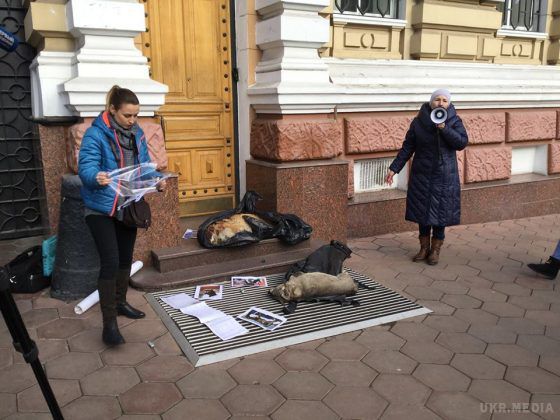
[245, 225]
[289, 227]
[327, 259]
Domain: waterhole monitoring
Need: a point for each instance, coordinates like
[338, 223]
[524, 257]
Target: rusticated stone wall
[554, 158]
[375, 134]
[353, 136]
[296, 139]
[531, 125]
[487, 164]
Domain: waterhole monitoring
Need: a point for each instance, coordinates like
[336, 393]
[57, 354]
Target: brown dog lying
[226, 229]
[306, 286]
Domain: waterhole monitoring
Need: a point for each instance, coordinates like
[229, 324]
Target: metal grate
[311, 320]
[383, 8]
[521, 15]
[21, 181]
[369, 175]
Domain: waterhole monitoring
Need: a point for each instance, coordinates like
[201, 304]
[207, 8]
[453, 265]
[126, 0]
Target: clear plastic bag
[133, 182]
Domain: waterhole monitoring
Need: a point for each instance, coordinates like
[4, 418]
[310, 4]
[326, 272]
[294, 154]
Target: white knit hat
[441, 92]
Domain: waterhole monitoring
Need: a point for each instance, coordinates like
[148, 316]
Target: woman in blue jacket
[434, 194]
[113, 141]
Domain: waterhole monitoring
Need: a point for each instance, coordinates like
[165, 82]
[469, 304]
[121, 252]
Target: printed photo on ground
[264, 319]
[248, 281]
[209, 292]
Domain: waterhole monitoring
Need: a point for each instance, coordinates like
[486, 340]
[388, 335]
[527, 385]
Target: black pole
[24, 344]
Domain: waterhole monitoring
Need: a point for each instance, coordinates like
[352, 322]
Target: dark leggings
[438, 232]
[115, 244]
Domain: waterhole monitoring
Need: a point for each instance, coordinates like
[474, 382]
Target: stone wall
[492, 136]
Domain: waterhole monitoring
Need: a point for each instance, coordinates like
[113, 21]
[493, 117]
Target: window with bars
[369, 175]
[523, 15]
[380, 8]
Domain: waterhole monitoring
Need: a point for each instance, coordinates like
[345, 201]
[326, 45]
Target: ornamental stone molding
[399, 85]
[75, 82]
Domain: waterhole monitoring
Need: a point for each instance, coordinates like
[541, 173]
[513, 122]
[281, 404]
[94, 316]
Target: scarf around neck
[126, 136]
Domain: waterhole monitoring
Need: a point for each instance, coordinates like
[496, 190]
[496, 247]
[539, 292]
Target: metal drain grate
[310, 322]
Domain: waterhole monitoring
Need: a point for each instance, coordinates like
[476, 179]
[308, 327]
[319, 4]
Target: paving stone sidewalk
[491, 346]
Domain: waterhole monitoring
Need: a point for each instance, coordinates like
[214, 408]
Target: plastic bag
[133, 182]
[244, 225]
[327, 259]
[49, 252]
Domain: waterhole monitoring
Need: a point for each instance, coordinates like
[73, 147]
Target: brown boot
[433, 256]
[424, 249]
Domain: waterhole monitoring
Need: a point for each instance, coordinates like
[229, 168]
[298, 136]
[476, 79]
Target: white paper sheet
[179, 300]
[203, 312]
[226, 327]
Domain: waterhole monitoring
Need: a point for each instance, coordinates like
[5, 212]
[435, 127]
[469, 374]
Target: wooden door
[188, 46]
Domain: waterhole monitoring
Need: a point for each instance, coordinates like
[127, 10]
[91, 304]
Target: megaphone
[438, 115]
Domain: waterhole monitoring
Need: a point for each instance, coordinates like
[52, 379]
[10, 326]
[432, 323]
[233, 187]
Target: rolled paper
[93, 298]
[87, 303]
[136, 266]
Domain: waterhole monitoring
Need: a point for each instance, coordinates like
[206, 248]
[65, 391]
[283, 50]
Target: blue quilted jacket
[97, 155]
[434, 193]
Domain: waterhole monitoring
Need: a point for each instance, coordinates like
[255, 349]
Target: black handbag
[138, 214]
[26, 272]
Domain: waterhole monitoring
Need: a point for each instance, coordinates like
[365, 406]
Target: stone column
[104, 31]
[296, 171]
[289, 34]
[47, 30]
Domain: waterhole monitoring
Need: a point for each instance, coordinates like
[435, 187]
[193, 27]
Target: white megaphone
[438, 115]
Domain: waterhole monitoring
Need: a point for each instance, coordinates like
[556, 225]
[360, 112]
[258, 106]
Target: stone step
[150, 279]
[191, 254]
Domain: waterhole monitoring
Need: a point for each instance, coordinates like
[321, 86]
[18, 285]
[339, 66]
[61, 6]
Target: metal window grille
[21, 179]
[522, 15]
[370, 174]
[382, 8]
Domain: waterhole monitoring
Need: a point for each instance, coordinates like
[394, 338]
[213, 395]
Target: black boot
[107, 300]
[111, 334]
[123, 307]
[549, 269]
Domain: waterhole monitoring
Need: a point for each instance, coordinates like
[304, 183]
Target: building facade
[305, 101]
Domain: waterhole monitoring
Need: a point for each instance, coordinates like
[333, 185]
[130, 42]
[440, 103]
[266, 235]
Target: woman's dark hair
[118, 96]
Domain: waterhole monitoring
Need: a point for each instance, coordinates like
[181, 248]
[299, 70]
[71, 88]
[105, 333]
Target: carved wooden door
[188, 46]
